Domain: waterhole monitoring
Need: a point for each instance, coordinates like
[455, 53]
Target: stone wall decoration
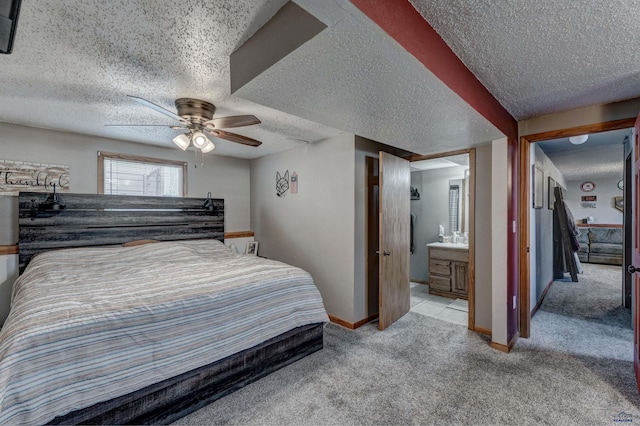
[16, 176]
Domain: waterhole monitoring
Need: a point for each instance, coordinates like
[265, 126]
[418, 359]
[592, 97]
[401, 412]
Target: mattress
[88, 325]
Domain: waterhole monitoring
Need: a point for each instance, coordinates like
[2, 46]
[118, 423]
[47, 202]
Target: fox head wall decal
[282, 183]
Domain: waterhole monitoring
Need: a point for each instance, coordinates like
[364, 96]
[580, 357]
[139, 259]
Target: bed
[146, 333]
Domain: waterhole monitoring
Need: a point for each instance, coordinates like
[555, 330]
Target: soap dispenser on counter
[440, 233]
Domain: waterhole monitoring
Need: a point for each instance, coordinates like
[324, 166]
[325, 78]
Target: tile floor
[438, 307]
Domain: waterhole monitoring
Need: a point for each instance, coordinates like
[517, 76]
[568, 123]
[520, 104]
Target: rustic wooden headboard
[81, 220]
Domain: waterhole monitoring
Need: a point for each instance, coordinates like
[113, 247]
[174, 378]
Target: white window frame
[138, 159]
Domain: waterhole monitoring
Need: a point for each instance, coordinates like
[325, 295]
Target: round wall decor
[621, 184]
[588, 186]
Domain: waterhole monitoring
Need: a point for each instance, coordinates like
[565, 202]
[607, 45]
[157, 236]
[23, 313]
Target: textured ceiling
[74, 62]
[441, 163]
[600, 157]
[354, 77]
[544, 56]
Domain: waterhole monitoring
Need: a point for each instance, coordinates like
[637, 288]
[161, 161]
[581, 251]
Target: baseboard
[350, 325]
[484, 331]
[505, 348]
[419, 281]
[539, 303]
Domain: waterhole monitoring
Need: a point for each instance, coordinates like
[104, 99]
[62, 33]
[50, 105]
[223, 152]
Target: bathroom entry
[442, 255]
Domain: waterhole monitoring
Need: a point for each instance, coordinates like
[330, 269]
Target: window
[122, 174]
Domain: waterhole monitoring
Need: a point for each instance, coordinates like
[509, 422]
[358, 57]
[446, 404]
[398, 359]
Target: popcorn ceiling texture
[354, 77]
[75, 61]
[601, 157]
[544, 56]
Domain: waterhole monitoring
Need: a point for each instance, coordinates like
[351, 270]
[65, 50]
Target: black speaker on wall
[9, 11]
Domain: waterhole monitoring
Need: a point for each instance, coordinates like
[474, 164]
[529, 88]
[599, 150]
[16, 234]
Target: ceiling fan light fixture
[199, 140]
[208, 147]
[578, 140]
[182, 141]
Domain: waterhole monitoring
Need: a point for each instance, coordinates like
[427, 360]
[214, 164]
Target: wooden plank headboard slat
[102, 201]
[94, 220]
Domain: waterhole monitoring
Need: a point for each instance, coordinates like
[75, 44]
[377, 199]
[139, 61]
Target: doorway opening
[452, 264]
[587, 174]
[527, 187]
[442, 261]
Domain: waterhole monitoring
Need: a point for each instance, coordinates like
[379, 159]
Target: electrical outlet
[514, 302]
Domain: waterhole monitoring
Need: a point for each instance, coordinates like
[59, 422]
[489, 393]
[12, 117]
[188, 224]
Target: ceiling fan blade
[159, 109]
[145, 125]
[233, 121]
[235, 138]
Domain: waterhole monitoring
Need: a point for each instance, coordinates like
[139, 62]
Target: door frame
[524, 204]
[472, 227]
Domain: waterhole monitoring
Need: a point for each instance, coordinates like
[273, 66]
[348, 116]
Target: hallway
[586, 322]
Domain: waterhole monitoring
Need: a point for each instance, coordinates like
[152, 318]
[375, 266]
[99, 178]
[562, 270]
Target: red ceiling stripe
[403, 23]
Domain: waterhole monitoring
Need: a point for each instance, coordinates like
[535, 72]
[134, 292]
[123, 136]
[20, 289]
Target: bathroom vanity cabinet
[449, 270]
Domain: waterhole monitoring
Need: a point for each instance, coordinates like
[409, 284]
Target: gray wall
[225, 177]
[431, 210]
[606, 190]
[314, 229]
[542, 227]
[483, 247]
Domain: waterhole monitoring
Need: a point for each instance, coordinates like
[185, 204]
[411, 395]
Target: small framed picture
[550, 193]
[252, 248]
[538, 187]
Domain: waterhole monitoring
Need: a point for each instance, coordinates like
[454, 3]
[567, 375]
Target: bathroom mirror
[459, 205]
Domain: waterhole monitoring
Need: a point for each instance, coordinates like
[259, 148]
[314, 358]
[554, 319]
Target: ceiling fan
[196, 117]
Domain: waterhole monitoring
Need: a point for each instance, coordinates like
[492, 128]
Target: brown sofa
[600, 245]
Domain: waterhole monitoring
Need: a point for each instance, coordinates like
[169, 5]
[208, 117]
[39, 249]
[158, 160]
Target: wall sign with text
[16, 176]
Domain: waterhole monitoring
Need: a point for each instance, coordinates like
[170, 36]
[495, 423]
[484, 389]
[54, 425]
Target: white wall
[313, 229]
[225, 177]
[431, 210]
[606, 190]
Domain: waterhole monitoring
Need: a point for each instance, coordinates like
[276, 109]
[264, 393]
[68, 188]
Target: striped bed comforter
[88, 325]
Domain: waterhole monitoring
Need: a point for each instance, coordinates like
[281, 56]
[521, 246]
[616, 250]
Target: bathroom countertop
[452, 246]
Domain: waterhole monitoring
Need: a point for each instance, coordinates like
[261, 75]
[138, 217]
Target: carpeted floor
[576, 369]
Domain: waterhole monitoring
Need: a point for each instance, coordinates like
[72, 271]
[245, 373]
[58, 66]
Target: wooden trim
[420, 281]
[525, 196]
[471, 276]
[8, 249]
[418, 157]
[352, 326]
[102, 155]
[504, 348]
[484, 331]
[525, 257]
[365, 321]
[340, 321]
[239, 234]
[599, 225]
[539, 302]
[581, 130]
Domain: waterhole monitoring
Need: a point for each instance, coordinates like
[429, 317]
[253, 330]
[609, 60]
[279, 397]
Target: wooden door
[636, 252]
[394, 239]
